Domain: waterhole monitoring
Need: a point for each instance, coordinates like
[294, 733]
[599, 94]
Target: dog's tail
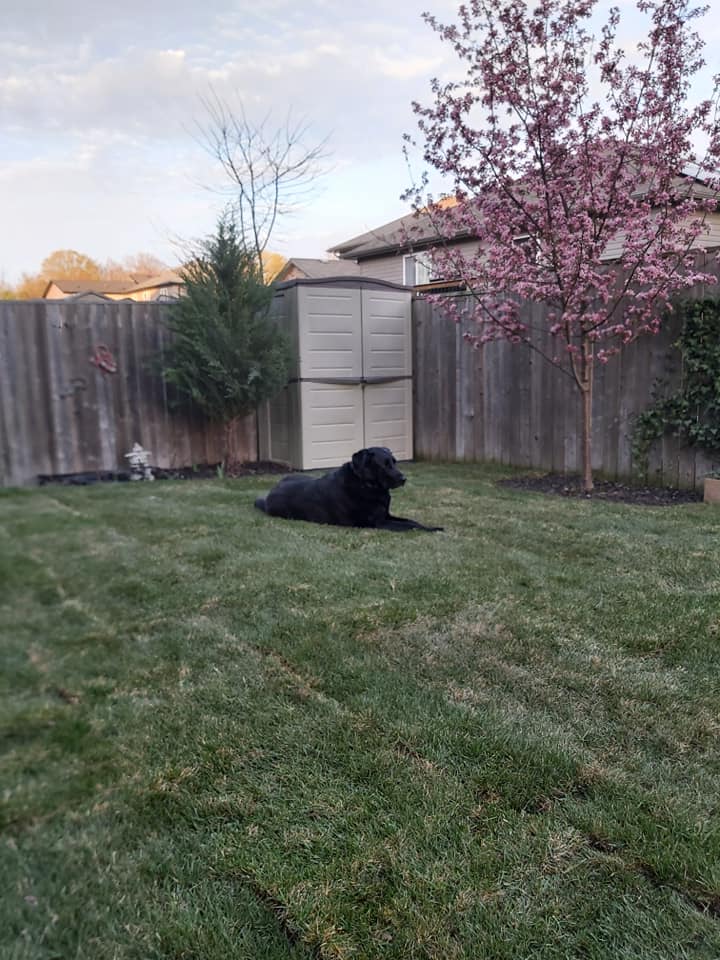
[260, 504]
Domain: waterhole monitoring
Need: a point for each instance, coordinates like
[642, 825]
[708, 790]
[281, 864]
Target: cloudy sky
[100, 104]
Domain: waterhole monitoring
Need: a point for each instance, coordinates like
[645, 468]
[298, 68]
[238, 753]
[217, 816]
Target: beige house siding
[712, 238]
[122, 296]
[706, 241]
[468, 248]
[152, 293]
[388, 268]
[54, 292]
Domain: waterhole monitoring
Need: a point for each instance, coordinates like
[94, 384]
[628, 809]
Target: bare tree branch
[271, 170]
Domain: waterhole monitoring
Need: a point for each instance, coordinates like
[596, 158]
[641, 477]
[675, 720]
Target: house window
[525, 241]
[416, 269]
[530, 246]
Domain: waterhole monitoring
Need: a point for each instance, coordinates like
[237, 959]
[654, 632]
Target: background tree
[144, 264]
[30, 286]
[136, 265]
[69, 264]
[72, 265]
[272, 265]
[58, 265]
[271, 169]
[227, 355]
[546, 176]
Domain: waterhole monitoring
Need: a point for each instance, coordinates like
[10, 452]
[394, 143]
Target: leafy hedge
[692, 412]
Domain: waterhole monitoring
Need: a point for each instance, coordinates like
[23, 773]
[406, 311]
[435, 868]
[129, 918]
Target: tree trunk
[228, 458]
[586, 389]
[587, 477]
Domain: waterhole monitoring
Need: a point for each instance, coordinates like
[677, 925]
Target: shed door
[387, 368]
[330, 333]
[386, 343]
[388, 417]
[332, 423]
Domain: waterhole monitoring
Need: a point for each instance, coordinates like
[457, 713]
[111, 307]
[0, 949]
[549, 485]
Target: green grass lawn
[228, 736]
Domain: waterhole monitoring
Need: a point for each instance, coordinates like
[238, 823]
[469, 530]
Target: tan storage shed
[351, 382]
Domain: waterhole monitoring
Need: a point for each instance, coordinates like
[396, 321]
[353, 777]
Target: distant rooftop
[314, 269]
[136, 283]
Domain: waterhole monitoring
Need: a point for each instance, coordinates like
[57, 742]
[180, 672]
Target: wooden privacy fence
[79, 386]
[504, 403]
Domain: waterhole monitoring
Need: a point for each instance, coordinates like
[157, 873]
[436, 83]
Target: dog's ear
[359, 461]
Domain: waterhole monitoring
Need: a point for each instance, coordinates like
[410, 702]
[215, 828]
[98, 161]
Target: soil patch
[559, 485]
[203, 471]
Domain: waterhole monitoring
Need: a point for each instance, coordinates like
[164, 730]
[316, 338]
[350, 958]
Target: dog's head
[376, 467]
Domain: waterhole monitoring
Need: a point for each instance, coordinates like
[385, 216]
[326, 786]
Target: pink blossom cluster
[594, 207]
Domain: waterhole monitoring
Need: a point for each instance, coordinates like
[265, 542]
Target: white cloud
[406, 67]
[99, 101]
[99, 110]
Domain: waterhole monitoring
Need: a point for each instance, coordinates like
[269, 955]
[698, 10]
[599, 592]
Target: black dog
[354, 495]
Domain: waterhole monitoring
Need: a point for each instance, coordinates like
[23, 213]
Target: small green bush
[227, 354]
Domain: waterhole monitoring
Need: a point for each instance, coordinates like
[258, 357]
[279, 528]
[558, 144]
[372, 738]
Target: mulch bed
[551, 483]
[559, 485]
[203, 471]
[255, 467]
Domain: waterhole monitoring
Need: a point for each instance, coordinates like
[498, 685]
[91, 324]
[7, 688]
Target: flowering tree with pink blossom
[574, 165]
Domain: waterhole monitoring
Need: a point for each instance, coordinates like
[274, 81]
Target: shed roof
[351, 282]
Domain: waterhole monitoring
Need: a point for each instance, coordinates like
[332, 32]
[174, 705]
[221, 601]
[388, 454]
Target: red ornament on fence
[103, 359]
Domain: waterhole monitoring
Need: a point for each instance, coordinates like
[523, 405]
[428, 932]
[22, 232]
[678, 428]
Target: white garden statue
[139, 463]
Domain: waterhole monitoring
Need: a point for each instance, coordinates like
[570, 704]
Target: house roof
[314, 269]
[416, 230]
[413, 230]
[135, 283]
[165, 279]
[97, 286]
[89, 296]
